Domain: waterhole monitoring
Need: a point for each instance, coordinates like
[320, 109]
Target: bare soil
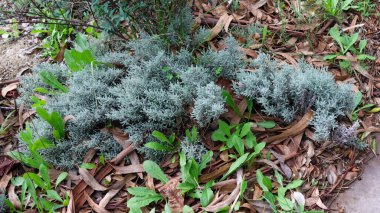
[17, 56]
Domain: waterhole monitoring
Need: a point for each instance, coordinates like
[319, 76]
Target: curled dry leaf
[71, 206]
[119, 157]
[234, 194]
[269, 163]
[6, 164]
[286, 170]
[296, 129]
[8, 88]
[78, 190]
[215, 173]
[111, 193]
[173, 194]
[223, 22]
[119, 136]
[351, 176]
[4, 181]
[224, 156]
[315, 199]
[299, 198]
[134, 159]
[332, 177]
[25, 116]
[91, 181]
[13, 197]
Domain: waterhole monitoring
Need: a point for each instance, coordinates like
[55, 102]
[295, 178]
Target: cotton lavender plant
[347, 136]
[288, 92]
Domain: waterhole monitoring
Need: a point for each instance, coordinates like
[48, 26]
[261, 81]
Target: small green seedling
[235, 136]
[335, 8]
[38, 188]
[358, 102]
[346, 44]
[6, 125]
[279, 202]
[239, 137]
[165, 144]
[142, 195]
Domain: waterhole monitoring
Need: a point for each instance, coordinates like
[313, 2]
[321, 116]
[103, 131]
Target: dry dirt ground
[17, 56]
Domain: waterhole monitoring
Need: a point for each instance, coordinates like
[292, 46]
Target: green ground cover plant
[346, 44]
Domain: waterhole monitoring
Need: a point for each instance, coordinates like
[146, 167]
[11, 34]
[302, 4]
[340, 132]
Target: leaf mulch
[326, 169]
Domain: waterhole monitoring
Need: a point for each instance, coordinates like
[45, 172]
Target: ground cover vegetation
[152, 112]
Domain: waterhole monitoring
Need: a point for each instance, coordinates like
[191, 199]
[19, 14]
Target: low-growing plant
[55, 36]
[239, 137]
[346, 44]
[143, 196]
[335, 8]
[360, 105]
[287, 92]
[365, 7]
[165, 144]
[235, 136]
[192, 146]
[250, 34]
[37, 186]
[6, 125]
[190, 172]
[11, 33]
[32, 157]
[279, 201]
[3, 202]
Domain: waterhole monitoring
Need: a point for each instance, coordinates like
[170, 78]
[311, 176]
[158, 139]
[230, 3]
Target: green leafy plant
[230, 102]
[33, 158]
[12, 32]
[365, 7]
[359, 105]
[80, 56]
[55, 120]
[266, 124]
[346, 44]
[55, 37]
[190, 171]
[142, 195]
[279, 202]
[165, 144]
[235, 136]
[50, 80]
[334, 8]
[239, 137]
[6, 125]
[38, 187]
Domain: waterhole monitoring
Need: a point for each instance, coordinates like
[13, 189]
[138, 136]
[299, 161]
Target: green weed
[346, 45]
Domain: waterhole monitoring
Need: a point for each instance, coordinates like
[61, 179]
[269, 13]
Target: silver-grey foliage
[347, 136]
[208, 105]
[151, 89]
[287, 92]
[193, 150]
[3, 205]
[159, 86]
